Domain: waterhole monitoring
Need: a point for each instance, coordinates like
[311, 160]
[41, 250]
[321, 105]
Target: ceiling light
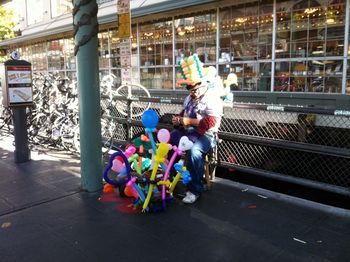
[330, 21]
[310, 10]
[241, 20]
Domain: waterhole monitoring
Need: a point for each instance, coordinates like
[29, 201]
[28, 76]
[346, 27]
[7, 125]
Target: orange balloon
[128, 192]
[108, 188]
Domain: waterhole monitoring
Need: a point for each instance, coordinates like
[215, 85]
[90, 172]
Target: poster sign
[126, 75]
[19, 84]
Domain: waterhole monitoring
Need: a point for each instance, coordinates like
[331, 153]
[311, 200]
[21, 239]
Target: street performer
[200, 120]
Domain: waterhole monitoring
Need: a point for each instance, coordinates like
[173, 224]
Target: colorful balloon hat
[192, 71]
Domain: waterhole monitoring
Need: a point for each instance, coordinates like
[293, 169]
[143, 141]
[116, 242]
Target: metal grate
[299, 143]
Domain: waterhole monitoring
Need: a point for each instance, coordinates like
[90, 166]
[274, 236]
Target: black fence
[304, 145]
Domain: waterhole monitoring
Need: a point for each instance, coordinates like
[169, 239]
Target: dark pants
[195, 158]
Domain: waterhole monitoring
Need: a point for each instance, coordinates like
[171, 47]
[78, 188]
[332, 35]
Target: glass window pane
[103, 50]
[264, 79]
[60, 7]
[40, 13]
[335, 21]
[157, 77]
[282, 77]
[299, 76]
[39, 60]
[252, 76]
[316, 80]
[115, 52]
[118, 77]
[156, 44]
[310, 28]
[196, 34]
[69, 53]
[246, 31]
[326, 76]
[55, 55]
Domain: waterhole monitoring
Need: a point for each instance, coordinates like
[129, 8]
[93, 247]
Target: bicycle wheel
[132, 91]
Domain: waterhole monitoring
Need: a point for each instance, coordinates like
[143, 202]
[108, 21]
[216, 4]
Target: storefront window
[299, 76]
[157, 77]
[61, 7]
[37, 11]
[246, 31]
[156, 54]
[156, 44]
[251, 76]
[25, 53]
[325, 76]
[310, 28]
[196, 34]
[282, 77]
[69, 54]
[114, 42]
[308, 54]
[55, 55]
[39, 57]
[103, 50]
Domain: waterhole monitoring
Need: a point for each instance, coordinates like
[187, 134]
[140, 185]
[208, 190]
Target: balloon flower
[150, 120]
[181, 171]
[162, 151]
[184, 145]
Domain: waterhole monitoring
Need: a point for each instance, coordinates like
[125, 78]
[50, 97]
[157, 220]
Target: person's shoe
[189, 198]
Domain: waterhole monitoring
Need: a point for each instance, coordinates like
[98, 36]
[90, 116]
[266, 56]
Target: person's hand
[186, 121]
[176, 120]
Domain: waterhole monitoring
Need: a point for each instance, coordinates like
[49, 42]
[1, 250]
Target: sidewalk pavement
[44, 216]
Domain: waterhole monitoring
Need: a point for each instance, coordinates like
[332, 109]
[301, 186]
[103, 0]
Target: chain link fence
[309, 146]
[305, 145]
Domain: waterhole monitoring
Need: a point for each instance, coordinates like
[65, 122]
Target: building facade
[275, 47]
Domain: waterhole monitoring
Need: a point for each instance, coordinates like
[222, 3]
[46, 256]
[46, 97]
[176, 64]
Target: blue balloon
[150, 118]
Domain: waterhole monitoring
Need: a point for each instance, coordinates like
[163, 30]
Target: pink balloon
[130, 151]
[163, 135]
[117, 166]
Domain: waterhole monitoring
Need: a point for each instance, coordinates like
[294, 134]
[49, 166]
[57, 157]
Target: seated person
[199, 120]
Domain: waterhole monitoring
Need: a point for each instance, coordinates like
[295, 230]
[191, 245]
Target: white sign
[19, 77]
[125, 61]
[123, 6]
[20, 95]
[126, 75]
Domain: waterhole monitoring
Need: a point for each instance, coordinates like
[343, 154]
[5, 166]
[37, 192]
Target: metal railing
[303, 145]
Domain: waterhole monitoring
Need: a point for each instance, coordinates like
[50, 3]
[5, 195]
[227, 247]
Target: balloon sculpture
[150, 185]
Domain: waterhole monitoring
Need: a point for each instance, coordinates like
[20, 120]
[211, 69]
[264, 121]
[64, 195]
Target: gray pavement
[44, 216]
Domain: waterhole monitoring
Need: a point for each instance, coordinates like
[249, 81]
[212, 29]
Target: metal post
[85, 33]
[346, 44]
[22, 152]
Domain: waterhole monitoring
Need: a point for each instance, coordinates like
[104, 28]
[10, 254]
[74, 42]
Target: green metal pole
[85, 36]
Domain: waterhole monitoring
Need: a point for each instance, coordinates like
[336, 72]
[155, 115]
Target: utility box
[16, 83]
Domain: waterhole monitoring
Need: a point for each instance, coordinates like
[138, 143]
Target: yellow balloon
[173, 184]
[162, 150]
